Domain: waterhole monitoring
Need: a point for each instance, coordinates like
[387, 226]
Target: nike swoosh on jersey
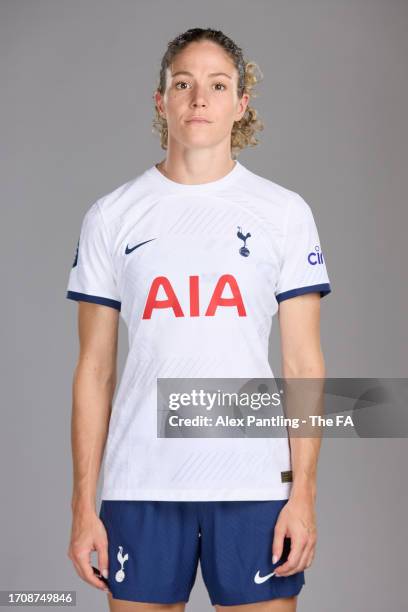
[260, 579]
[127, 251]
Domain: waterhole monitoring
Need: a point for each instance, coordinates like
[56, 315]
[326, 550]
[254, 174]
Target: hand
[297, 520]
[88, 534]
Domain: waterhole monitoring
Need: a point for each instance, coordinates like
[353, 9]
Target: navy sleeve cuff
[323, 289]
[95, 299]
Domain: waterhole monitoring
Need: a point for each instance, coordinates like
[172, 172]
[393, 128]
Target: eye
[222, 85]
[180, 83]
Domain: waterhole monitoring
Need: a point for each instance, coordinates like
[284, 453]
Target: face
[201, 83]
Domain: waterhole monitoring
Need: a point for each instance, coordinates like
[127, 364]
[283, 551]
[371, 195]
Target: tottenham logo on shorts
[316, 256]
[244, 251]
[120, 574]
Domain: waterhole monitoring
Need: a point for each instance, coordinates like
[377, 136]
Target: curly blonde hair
[244, 131]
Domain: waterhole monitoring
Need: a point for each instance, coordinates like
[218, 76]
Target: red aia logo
[172, 302]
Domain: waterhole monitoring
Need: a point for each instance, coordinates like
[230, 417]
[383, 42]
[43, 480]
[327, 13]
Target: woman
[197, 253]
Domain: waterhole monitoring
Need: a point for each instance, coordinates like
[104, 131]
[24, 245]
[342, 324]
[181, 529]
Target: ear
[158, 98]
[242, 106]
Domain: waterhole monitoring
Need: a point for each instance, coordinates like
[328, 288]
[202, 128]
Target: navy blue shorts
[154, 548]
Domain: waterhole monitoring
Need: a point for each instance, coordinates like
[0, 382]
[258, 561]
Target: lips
[197, 120]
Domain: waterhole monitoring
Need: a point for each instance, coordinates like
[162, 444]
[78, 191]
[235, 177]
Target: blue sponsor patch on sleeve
[76, 255]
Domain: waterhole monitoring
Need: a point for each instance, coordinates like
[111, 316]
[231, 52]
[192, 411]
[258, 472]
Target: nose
[198, 103]
[198, 98]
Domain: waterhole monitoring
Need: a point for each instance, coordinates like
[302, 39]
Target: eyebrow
[212, 74]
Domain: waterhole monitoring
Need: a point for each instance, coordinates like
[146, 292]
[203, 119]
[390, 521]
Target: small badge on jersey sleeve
[286, 476]
[316, 256]
[76, 255]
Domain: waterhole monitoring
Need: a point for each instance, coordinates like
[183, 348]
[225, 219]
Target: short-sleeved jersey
[197, 273]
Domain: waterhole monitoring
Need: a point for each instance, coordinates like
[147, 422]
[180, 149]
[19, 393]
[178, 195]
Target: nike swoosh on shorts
[260, 579]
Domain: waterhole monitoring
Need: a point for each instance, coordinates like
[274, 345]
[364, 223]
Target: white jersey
[197, 273]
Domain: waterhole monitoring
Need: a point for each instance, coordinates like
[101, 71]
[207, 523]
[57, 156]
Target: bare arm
[93, 388]
[302, 357]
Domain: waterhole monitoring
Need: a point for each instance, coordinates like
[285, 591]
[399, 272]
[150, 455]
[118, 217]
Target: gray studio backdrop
[77, 82]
